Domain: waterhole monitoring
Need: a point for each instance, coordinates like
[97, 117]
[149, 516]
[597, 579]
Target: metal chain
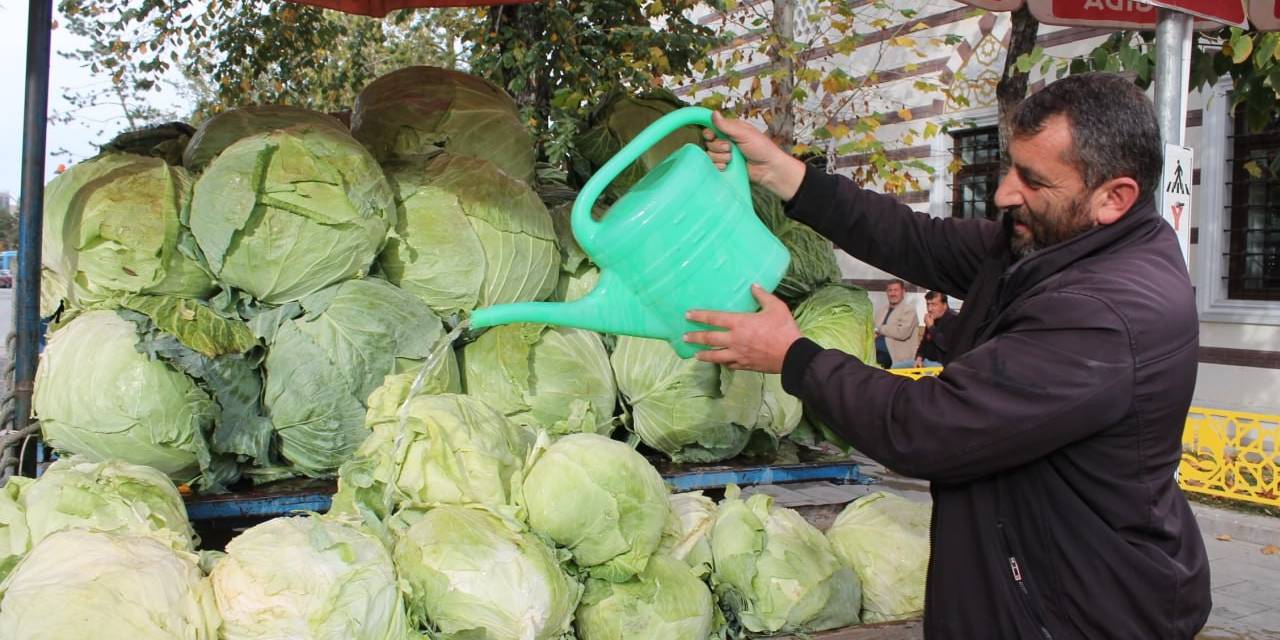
[12, 439]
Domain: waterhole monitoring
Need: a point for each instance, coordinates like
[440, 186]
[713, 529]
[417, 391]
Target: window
[1253, 234]
[974, 186]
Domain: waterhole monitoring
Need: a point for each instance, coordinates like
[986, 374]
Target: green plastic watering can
[684, 237]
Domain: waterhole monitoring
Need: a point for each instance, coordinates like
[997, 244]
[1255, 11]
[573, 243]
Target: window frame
[958, 206]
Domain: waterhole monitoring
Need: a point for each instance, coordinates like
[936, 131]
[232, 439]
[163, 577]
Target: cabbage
[690, 410]
[666, 601]
[776, 572]
[472, 575]
[415, 110]
[469, 236]
[813, 261]
[112, 227]
[326, 354]
[836, 316]
[451, 449]
[308, 577]
[107, 586]
[165, 141]
[98, 396]
[282, 215]
[110, 496]
[226, 128]
[616, 122]
[687, 537]
[15, 538]
[780, 412]
[578, 274]
[555, 378]
[599, 499]
[885, 539]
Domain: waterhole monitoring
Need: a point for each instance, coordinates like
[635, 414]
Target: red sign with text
[1143, 14]
[1265, 14]
[1225, 11]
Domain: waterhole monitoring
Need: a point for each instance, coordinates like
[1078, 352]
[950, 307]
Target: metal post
[1173, 47]
[31, 217]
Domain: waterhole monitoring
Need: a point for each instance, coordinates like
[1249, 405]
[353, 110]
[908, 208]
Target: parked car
[7, 259]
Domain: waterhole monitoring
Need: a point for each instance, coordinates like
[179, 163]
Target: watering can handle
[653, 134]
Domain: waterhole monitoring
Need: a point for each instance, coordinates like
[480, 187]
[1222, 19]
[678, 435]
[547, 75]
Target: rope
[12, 439]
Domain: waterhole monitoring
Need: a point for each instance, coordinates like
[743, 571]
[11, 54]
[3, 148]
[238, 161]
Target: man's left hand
[751, 341]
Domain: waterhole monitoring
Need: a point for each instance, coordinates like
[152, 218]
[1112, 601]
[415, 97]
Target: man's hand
[769, 166]
[751, 341]
[928, 319]
[919, 363]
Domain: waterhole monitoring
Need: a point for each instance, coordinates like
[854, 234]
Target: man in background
[938, 317]
[896, 325]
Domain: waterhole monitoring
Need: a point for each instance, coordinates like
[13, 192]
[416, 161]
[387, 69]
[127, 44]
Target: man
[895, 328]
[938, 317]
[1052, 437]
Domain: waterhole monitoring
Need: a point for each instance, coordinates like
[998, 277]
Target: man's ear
[1114, 199]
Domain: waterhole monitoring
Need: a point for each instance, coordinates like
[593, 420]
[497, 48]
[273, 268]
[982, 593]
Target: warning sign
[1175, 193]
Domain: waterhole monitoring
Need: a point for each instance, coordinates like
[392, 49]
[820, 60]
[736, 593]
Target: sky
[79, 138]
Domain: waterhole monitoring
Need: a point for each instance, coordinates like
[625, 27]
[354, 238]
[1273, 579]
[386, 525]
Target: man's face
[894, 293]
[936, 307]
[1043, 195]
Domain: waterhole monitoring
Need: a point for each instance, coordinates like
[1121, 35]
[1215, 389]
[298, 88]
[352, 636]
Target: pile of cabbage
[226, 299]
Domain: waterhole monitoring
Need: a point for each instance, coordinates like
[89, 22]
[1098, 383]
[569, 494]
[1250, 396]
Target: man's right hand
[768, 165]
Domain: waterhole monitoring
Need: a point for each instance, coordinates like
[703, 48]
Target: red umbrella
[380, 8]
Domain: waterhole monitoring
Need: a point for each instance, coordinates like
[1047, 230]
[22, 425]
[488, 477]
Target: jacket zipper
[1015, 570]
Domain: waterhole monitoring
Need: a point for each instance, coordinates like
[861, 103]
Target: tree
[1012, 89]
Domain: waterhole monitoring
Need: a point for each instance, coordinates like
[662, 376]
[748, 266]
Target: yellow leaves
[757, 89]
[1270, 550]
[931, 130]
[905, 114]
[1223, 537]
[919, 26]
[902, 41]
[1253, 168]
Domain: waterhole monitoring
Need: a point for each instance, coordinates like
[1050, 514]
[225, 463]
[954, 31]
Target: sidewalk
[1245, 579]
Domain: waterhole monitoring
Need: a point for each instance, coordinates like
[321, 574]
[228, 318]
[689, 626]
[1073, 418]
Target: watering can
[684, 237]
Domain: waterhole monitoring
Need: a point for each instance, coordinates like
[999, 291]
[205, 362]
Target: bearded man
[1052, 437]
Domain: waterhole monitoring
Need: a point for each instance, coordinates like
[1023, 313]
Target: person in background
[896, 325]
[938, 317]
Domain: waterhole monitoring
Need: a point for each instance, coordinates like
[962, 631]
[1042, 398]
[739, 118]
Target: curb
[1245, 527]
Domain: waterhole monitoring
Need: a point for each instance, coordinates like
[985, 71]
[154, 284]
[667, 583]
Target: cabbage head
[415, 110]
[98, 396]
[836, 316]
[885, 539]
[469, 236]
[470, 574]
[282, 215]
[690, 410]
[601, 500]
[165, 141]
[110, 496]
[813, 260]
[688, 534]
[616, 122]
[439, 449]
[15, 538]
[107, 586]
[308, 577]
[555, 378]
[112, 227]
[326, 354]
[666, 601]
[776, 572]
[578, 274]
[226, 128]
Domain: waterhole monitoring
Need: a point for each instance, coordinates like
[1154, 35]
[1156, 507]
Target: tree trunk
[782, 125]
[1012, 89]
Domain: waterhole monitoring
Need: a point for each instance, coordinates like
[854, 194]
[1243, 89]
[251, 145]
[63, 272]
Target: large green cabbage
[616, 122]
[437, 449]
[98, 396]
[106, 496]
[836, 316]
[308, 577]
[112, 226]
[326, 354]
[555, 378]
[690, 410]
[885, 539]
[107, 586]
[15, 538]
[412, 111]
[601, 500]
[165, 141]
[469, 236]
[666, 601]
[813, 261]
[688, 534]
[578, 274]
[226, 128]
[470, 574]
[284, 214]
[776, 572]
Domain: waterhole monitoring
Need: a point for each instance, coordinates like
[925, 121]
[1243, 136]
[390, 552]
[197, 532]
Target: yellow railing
[1229, 454]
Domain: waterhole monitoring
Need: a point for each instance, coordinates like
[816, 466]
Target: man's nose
[1009, 193]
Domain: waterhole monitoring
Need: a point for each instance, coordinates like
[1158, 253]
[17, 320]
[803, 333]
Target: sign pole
[1173, 66]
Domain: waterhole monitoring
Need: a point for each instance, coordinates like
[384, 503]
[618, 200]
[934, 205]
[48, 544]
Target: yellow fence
[1229, 454]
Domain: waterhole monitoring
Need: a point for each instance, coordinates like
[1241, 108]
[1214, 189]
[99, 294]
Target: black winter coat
[1051, 438]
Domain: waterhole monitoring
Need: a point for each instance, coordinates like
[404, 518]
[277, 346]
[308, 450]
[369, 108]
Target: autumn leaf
[1223, 537]
[904, 113]
[1270, 550]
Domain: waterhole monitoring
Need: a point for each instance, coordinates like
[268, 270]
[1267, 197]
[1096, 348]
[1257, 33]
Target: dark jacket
[1051, 438]
[935, 343]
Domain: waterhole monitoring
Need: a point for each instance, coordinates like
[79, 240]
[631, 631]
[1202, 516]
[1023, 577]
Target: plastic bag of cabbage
[775, 572]
[107, 586]
[885, 538]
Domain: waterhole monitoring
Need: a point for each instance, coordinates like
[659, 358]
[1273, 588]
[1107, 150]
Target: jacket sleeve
[1059, 375]
[941, 254]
